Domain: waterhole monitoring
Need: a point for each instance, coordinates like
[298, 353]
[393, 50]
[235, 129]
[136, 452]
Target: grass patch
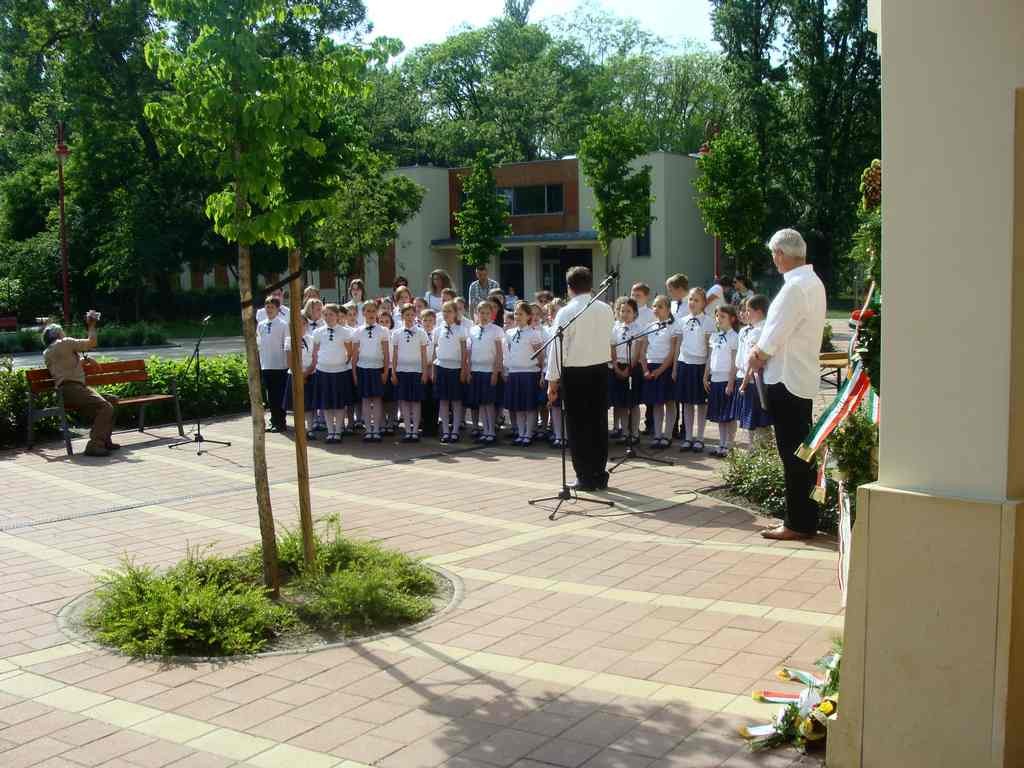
[208, 605]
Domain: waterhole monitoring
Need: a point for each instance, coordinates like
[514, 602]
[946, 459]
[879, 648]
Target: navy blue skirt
[448, 384]
[410, 387]
[480, 391]
[690, 383]
[619, 393]
[308, 392]
[369, 382]
[521, 391]
[333, 390]
[722, 408]
[749, 410]
[659, 390]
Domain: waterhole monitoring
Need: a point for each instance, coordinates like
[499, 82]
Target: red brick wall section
[564, 172]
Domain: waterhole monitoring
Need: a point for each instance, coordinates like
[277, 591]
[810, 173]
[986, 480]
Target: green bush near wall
[225, 390]
[134, 335]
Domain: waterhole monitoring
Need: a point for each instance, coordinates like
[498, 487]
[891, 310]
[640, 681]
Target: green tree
[244, 106]
[482, 220]
[730, 197]
[366, 210]
[833, 60]
[622, 191]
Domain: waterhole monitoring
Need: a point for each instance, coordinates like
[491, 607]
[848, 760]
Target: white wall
[678, 240]
[413, 255]
[948, 227]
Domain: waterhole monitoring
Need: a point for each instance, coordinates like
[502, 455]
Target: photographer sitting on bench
[65, 365]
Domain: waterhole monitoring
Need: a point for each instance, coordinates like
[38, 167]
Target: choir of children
[372, 364]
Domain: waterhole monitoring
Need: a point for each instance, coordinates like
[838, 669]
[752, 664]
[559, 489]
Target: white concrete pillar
[933, 672]
[531, 271]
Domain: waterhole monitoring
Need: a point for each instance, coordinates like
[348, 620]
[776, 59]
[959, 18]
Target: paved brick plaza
[618, 639]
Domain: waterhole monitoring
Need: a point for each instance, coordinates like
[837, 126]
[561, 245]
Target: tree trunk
[268, 537]
[299, 404]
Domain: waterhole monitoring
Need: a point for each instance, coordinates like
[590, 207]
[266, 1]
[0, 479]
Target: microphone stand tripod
[567, 493]
[197, 437]
[631, 453]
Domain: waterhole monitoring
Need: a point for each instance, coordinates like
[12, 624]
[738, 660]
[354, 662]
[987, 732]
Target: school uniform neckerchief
[447, 331]
[268, 328]
[330, 334]
[721, 339]
[693, 322]
[515, 339]
[409, 333]
[369, 331]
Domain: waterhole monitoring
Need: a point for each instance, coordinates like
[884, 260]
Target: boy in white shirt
[270, 335]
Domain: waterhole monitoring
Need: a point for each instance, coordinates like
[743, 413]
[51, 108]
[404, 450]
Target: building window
[643, 242]
[529, 201]
[555, 198]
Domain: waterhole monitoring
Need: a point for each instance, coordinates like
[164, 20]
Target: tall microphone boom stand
[631, 453]
[197, 437]
[567, 494]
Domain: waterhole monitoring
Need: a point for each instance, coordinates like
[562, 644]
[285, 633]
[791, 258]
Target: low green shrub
[758, 477]
[208, 605]
[361, 599]
[195, 608]
[225, 390]
[110, 337]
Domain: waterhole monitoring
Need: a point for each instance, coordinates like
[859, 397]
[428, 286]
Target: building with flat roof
[551, 215]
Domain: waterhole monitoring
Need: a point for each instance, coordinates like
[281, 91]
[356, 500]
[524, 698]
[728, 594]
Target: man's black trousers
[585, 395]
[792, 420]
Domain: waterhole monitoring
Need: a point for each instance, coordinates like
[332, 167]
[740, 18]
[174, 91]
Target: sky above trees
[416, 23]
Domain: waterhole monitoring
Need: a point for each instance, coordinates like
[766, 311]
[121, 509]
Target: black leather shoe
[580, 487]
[601, 483]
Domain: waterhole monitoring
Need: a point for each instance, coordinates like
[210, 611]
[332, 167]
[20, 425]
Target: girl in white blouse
[332, 358]
[409, 370]
[371, 360]
[521, 382]
[720, 377]
[451, 371]
[693, 331]
[485, 362]
[658, 390]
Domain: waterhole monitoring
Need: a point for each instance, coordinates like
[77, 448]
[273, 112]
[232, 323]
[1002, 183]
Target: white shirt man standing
[583, 376]
[787, 353]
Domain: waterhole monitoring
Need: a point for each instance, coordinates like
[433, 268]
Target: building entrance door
[555, 262]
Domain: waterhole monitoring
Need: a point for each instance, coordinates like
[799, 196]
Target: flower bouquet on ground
[803, 717]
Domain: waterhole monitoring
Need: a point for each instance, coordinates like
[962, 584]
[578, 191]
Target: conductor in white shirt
[787, 353]
[583, 378]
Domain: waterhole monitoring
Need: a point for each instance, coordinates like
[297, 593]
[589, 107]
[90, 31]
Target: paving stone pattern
[621, 638]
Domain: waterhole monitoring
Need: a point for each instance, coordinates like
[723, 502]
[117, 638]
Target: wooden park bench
[97, 375]
[832, 366]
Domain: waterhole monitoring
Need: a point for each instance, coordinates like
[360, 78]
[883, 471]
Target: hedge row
[225, 390]
[135, 335]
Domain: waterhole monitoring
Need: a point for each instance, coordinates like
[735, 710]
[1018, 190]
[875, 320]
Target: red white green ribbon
[845, 403]
[845, 540]
[821, 484]
[874, 406]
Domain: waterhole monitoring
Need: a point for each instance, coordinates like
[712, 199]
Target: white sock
[687, 422]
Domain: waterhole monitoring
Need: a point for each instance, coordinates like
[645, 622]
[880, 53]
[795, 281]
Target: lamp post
[62, 152]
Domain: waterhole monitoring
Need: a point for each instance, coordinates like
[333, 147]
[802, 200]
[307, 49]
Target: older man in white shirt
[787, 353]
[583, 376]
